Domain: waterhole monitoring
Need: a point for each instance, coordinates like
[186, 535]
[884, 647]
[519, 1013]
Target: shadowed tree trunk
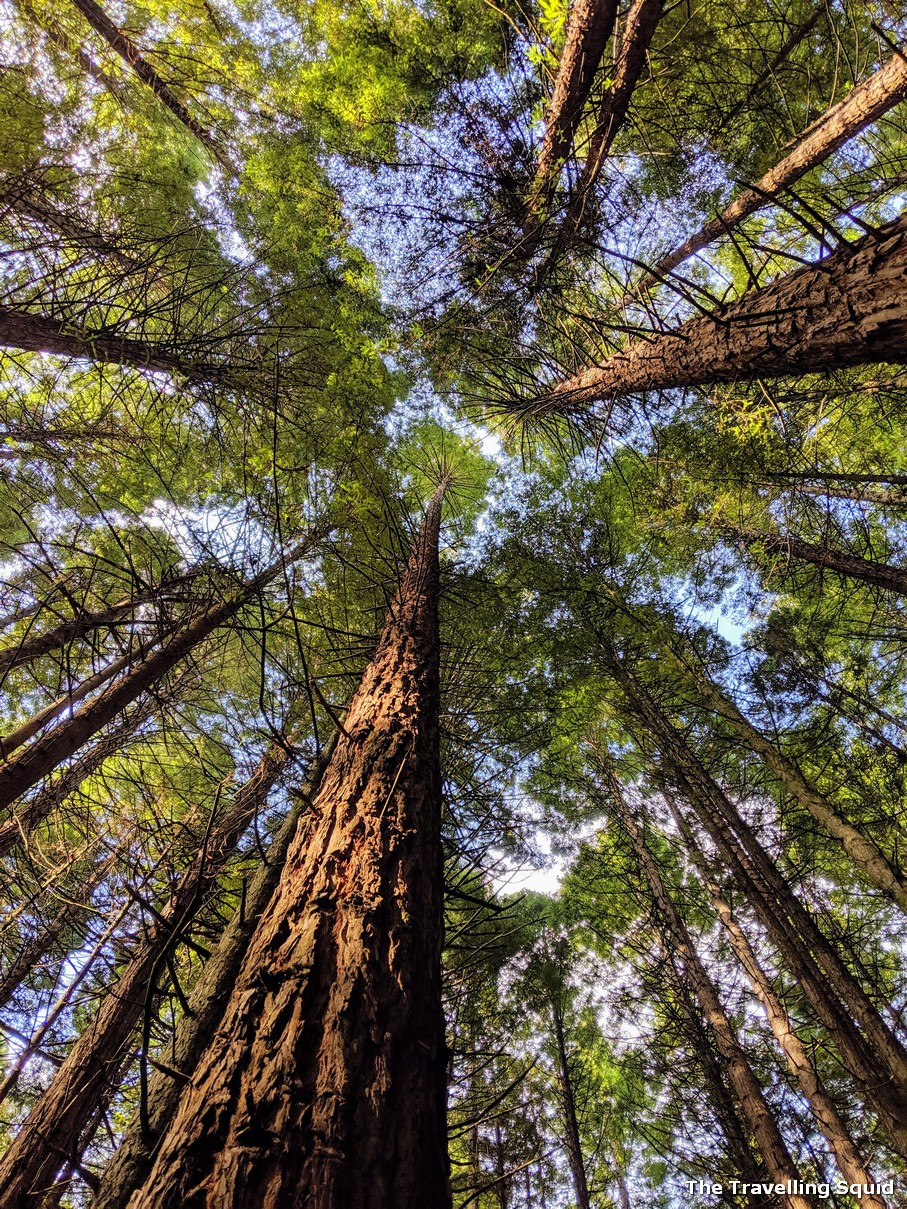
[861, 107]
[571, 1118]
[132, 1161]
[848, 309]
[826, 558]
[42, 756]
[867, 1047]
[59, 1119]
[822, 1106]
[747, 1089]
[325, 1084]
[132, 56]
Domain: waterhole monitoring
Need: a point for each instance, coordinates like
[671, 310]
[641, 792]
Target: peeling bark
[325, 1084]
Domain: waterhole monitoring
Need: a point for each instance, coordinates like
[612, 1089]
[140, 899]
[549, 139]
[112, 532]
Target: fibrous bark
[58, 1120]
[325, 1084]
[848, 309]
[860, 108]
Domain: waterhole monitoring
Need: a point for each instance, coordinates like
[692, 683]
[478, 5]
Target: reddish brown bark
[132, 56]
[589, 27]
[37, 333]
[860, 108]
[207, 1002]
[59, 1119]
[325, 1085]
[848, 309]
[779, 1164]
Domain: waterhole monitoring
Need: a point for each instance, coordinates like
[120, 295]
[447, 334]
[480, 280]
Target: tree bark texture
[571, 1119]
[848, 309]
[867, 1047]
[325, 1084]
[747, 1090]
[864, 105]
[824, 1110]
[827, 558]
[56, 1123]
[207, 1003]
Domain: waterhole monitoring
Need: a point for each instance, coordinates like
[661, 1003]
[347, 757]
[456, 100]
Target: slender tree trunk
[571, 1121]
[35, 333]
[747, 1089]
[791, 43]
[325, 1085]
[862, 851]
[74, 912]
[826, 558]
[871, 1052]
[132, 56]
[861, 107]
[886, 499]
[848, 309]
[589, 28]
[59, 1118]
[822, 1106]
[42, 756]
[35, 810]
[207, 1002]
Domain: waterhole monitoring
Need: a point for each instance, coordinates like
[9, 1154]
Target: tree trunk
[589, 27]
[132, 56]
[58, 1120]
[861, 850]
[325, 1084]
[827, 558]
[848, 309]
[35, 333]
[822, 1106]
[207, 1002]
[885, 499]
[747, 1089]
[871, 1053]
[860, 108]
[42, 756]
[35, 810]
[571, 1122]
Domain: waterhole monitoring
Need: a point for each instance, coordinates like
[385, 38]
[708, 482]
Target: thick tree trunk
[848, 309]
[822, 1106]
[207, 1002]
[747, 1089]
[42, 756]
[325, 1085]
[58, 1120]
[827, 558]
[35, 333]
[861, 107]
[862, 851]
[871, 1053]
[36, 809]
[589, 27]
[571, 1120]
[132, 56]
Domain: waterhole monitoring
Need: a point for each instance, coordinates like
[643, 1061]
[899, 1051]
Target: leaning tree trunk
[747, 1089]
[52, 1130]
[207, 1003]
[848, 309]
[325, 1084]
[41, 757]
[571, 1118]
[822, 1106]
[827, 558]
[869, 1050]
[864, 853]
[132, 56]
[860, 108]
